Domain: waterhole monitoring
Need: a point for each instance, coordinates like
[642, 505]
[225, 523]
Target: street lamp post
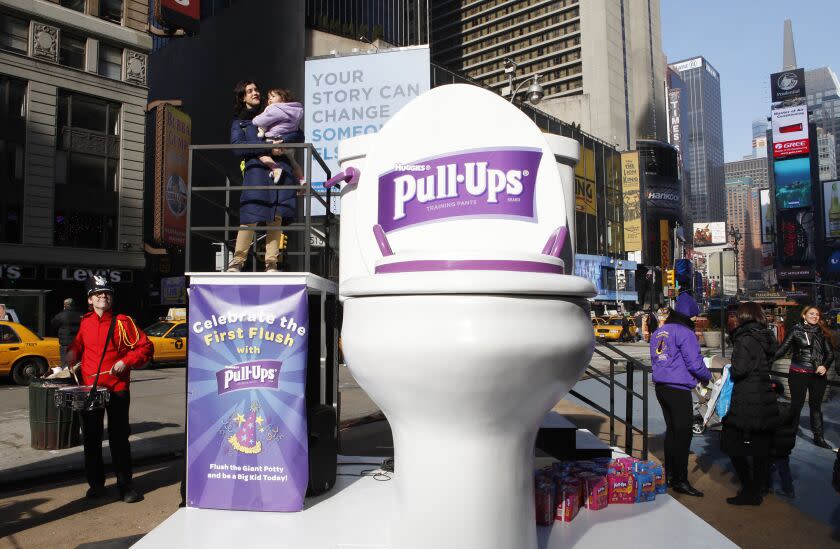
[535, 90]
[736, 236]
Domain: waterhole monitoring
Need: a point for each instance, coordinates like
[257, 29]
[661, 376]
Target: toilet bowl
[459, 321]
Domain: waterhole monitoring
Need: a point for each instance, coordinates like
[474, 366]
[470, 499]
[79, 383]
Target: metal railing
[208, 231]
[632, 365]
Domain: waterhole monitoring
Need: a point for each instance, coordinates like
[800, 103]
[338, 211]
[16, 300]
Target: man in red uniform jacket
[128, 348]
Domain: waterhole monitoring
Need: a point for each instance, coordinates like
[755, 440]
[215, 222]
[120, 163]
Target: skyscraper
[822, 91]
[754, 168]
[703, 134]
[759, 138]
[743, 214]
[600, 62]
[826, 145]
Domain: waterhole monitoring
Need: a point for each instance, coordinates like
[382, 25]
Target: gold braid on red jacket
[122, 334]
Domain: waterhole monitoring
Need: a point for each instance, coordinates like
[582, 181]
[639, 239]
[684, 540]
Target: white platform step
[355, 515]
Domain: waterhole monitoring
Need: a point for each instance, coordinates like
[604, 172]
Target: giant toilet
[460, 320]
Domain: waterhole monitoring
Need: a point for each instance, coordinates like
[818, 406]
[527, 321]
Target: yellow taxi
[169, 337]
[610, 329]
[24, 354]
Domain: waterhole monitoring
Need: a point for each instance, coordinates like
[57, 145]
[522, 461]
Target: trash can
[51, 427]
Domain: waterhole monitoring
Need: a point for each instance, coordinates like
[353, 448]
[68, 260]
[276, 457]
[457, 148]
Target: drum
[51, 427]
[75, 398]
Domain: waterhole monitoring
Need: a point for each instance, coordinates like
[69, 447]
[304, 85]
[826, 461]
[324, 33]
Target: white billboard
[354, 95]
[790, 131]
[709, 234]
[695, 63]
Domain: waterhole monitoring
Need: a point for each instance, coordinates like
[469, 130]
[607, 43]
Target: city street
[42, 492]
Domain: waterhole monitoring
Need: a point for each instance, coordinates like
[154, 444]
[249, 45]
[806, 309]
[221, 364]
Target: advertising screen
[790, 131]
[355, 95]
[796, 236]
[709, 234]
[831, 208]
[787, 85]
[793, 183]
[767, 221]
[173, 130]
[630, 188]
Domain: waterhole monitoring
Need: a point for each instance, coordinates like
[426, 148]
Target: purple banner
[247, 445]
[483, 182]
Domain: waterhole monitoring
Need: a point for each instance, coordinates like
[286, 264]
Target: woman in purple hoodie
[280, 123]
[677, 369]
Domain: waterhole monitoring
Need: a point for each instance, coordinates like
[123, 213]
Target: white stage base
[355, 515]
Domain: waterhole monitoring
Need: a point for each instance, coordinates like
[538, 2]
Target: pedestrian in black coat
[753, 415]
[66, 324]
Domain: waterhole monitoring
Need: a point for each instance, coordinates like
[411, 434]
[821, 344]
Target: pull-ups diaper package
[622, 488]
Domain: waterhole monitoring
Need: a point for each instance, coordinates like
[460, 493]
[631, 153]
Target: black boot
[817, 427]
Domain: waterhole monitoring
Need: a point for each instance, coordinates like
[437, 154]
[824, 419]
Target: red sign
[189, 8]
[791, 148]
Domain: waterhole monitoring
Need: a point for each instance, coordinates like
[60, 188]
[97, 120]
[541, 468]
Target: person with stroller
[809, 363]
[677, 369]
[753, 415]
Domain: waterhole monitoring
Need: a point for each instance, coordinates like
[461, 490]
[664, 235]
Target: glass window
[14, 33]
[111, 10]
[76, 5]
[7, 335]
[87, 172]
[110, 61]
[12, 156]
[71, 51]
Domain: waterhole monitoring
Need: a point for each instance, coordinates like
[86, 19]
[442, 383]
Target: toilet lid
[458, 168]
[470, 272]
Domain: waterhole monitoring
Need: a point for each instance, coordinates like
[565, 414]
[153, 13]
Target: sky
[743, 40]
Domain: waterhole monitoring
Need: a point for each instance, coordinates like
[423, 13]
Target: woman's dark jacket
[753, 406]
[810, 347]
[261, 205]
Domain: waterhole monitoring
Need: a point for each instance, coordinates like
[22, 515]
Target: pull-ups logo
[482, 182]
[263, 374]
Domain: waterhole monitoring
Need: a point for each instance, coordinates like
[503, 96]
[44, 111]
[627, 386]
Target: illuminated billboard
[793, 183]
[767, 221]
[831, 211]
[790, 131]
[709, 234]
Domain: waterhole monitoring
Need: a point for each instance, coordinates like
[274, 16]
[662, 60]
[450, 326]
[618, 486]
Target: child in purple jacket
[280, 123]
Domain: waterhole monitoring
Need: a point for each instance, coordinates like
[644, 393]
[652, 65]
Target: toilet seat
[468, 272]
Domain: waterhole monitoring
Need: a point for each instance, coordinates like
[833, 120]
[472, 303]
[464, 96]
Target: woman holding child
[269, 206]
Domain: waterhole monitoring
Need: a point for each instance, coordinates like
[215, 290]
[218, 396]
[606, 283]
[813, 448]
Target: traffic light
[669, 277]
[283, 241]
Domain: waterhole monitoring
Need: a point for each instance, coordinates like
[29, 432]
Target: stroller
[705, 416]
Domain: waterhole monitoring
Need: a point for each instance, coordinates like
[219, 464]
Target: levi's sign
[477, 183]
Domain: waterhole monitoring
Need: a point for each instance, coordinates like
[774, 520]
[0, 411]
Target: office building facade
[826, 155]
[72, 134]
[754, 168]
[600, 62]
[703, 134]
[822, 89]
[743, 214]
